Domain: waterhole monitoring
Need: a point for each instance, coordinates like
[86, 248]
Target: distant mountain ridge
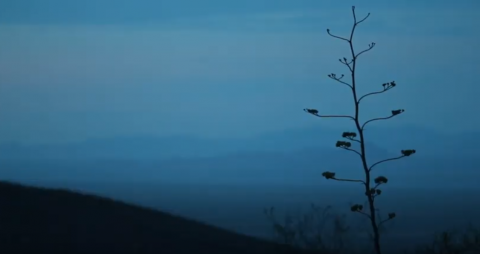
[296, 156]
[425, 141]
[302, 166]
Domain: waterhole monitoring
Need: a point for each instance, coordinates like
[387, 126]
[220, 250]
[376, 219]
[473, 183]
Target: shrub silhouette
[371, 185]
[453, 242]
[319, 230]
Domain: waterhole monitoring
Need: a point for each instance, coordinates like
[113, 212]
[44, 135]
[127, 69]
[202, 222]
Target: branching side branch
[339, 79]
[352, 150]
[382, 161]
[394, 113]
[386, 87]
[315, 113]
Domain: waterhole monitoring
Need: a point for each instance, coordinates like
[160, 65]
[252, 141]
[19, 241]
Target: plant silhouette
[372, 190]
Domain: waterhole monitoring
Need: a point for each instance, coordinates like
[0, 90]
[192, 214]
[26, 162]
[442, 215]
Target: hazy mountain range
[426, 142]
[293, 156]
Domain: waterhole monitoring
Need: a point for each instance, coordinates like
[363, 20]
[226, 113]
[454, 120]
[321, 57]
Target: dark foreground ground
[421, 212]
[38, 220]
[41, 220]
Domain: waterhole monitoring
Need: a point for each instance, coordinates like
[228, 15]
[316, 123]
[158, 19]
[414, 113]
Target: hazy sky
[94, 68]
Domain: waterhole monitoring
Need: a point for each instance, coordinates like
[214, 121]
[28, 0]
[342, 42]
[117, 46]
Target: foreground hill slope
[38, 220]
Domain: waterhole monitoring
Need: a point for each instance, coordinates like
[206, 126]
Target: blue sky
[71, 70]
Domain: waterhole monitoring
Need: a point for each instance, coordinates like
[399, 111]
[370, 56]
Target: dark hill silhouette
[38, 220]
